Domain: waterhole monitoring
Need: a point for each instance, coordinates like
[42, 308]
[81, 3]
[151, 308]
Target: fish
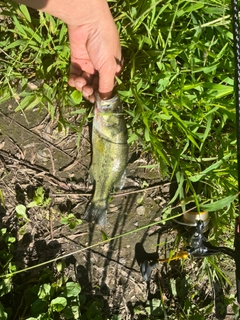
[109, 156]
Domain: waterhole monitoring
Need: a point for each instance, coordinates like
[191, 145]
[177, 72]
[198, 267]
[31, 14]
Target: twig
[141, 190]
[50, 223]
[114, 195]
[40, 170]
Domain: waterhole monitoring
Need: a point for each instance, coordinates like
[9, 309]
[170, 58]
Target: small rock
[141, 210]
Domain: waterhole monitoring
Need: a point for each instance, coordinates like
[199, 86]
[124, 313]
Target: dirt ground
[34, 153]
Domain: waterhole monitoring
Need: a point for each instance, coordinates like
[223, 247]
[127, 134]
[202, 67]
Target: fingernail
[91, 99]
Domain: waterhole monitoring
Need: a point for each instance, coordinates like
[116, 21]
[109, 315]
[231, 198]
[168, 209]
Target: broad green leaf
[72, 225]
[154, 307]
[72, 289]
[3, 231]
[76, 97]
[38, 306]
[58, 304]
[44, 291]
[64, 220]
[21, 211]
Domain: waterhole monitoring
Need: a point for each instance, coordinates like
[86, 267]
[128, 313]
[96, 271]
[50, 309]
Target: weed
[71, 221]
[50, 296]
[39, 200]
[177, 86]
[181, 84]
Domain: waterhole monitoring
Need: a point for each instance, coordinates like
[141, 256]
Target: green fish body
[109, 155]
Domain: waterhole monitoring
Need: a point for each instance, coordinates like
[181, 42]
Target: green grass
[177, 88]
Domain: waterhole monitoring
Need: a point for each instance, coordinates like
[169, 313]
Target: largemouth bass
[109, 155]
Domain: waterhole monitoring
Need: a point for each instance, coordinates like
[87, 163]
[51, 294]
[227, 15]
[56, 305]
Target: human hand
[95, 55]
[94, 43]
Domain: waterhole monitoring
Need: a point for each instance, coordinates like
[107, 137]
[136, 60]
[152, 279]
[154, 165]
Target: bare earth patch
[34, 153]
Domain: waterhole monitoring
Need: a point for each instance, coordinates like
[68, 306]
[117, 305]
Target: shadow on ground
[34, 153]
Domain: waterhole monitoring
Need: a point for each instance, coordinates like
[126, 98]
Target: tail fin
[97, 213]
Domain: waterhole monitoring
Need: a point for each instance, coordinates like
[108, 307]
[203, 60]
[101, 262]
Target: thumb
[106, 84]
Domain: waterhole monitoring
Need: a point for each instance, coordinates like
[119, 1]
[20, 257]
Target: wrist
[83, 12]
[75, 13]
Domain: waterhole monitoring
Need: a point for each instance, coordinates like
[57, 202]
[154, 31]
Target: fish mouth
[103, 105]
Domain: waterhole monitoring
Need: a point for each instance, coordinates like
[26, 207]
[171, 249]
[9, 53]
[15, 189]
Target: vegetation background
[177, 86]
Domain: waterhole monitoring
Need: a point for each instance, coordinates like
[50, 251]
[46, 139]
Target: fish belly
[108, 166]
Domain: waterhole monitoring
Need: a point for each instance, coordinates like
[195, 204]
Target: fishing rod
[198, 245]
[236, 39]
[197, 223]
